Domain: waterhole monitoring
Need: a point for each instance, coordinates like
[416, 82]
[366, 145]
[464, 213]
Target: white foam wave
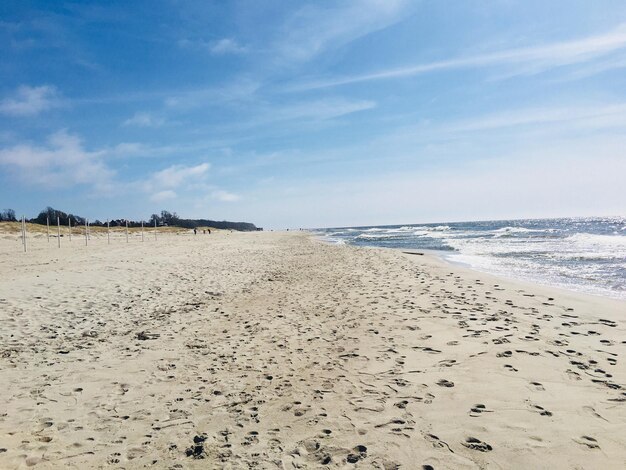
[513, 230]
[598, 240]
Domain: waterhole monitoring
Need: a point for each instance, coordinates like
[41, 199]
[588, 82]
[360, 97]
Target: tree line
[7, 215]
[164, 219]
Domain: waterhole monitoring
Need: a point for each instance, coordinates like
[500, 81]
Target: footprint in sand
[477, 444]
[588, 441]
[541, 410]
[478, 409]
[436, 442]
[445, 383]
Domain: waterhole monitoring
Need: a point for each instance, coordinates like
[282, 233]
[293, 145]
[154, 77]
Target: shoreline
[275, 350]
[524, 283]
[444, 256]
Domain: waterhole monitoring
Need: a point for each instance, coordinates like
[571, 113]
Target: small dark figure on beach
[209, 231]
[204, 232]
[195, 231]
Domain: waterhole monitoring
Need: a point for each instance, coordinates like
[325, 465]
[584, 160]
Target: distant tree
[166, 218]
[8, 215]
[169, 218]
[50, 214]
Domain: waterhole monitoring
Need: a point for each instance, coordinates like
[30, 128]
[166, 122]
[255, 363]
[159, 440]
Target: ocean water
[581, 254]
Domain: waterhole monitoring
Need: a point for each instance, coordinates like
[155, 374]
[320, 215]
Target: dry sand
[268, 350]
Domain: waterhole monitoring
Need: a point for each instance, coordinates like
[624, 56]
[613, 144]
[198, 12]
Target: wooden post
[86, 233]
[108, 233]
[59, 231]
[155, 229]
[142, 231]
[24, 232]
[127, 231]
[48, 228]
[69, 224]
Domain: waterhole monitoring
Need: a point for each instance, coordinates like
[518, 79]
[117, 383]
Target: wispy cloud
[321, 109]
[226, 46]
[166, 184]
[313, 28]
[225, 196]
[238, 90]
[530, 59]
[177, 175]
[575, 117]
[30, 101]
[144, 119]
[188, 183]
[216, 47]
[161, 196]
[63, 162]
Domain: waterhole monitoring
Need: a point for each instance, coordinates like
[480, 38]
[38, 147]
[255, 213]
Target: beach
[274, 350]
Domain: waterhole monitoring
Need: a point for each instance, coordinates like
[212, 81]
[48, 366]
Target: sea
[581, 254]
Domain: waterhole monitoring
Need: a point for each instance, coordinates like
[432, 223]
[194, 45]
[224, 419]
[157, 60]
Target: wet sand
[273, 350]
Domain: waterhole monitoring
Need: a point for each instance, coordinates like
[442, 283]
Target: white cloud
[574, 117]
[303, 111]
[222, 46]
[128, 149]
[314, 27]
[226, 46]
[63, 162]
[161, 196]
[177, 175]
[532, 59]
[225, 196]
[320, 109]
[237, 90]
[30, 101]
[144, 119]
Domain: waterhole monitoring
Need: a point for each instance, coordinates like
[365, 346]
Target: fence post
[127, 231]
[155, 229]
[59, 231]
[48, 228]
[142, 231]
[24, 232]
[86, 236]
[108, 233]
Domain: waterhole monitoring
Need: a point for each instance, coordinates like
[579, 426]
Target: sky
[314, 114]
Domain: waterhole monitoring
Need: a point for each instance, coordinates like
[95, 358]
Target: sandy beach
[274, 350]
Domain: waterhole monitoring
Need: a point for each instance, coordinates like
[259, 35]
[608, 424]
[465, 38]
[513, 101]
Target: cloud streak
[532, 59]
[225, 196]
[144, 119]
[312, 28]
[63, 162]
[177, 175]
[226, 46]
[30, 101]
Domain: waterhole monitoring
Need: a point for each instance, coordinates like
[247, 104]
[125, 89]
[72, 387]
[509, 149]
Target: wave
[380, 236]
[514, 229]
[581, 254]
[598, 240]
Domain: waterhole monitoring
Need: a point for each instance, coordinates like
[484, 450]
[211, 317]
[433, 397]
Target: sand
[273, 350]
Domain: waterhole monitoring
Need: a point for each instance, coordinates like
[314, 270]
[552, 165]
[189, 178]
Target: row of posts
[87, 231]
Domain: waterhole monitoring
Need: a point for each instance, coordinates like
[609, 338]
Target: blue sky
[311, 114]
